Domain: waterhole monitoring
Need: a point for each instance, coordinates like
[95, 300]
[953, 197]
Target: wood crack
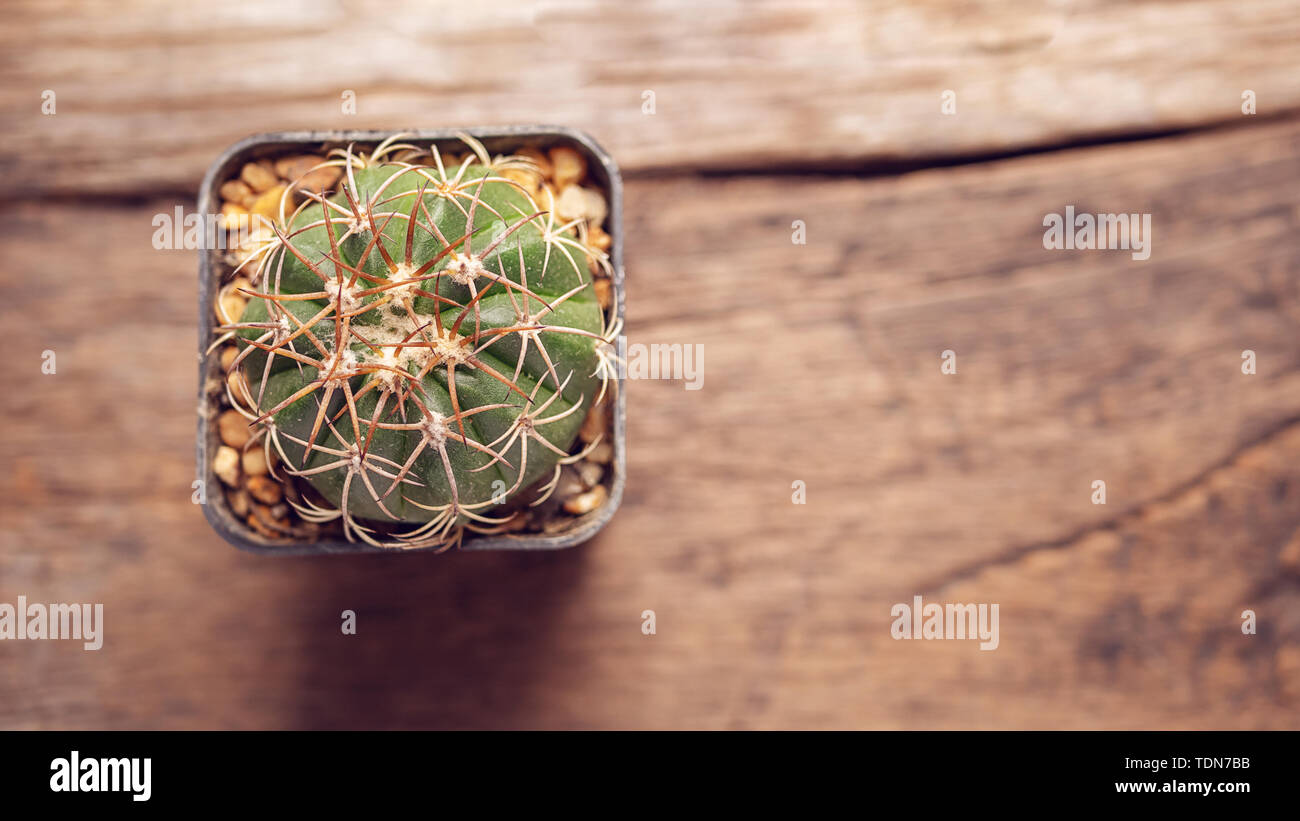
[1115, 523]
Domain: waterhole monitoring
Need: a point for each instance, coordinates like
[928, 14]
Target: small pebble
[570, 166]
[231, 300]
[255, 462]
[265, 490]
[556, 524]
[238, 192]
[569, 483]
[590, 473]
[539, 159]
[238, 385]
[234, 429]
[601, 454]
[226, 465]
[238, 502]
[291, 168]
[320, 180]
[290, 489]
[529, 181]
[576, 202]
[233, 216]
[593, 425]
[604, 291]
[301, 170]
[230, 307]
[260, 518]
[268, 203]
[228, 355]
[586, 502]
[258, 176]
[598, 238]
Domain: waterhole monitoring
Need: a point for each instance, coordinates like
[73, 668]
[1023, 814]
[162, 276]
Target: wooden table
[924, 234]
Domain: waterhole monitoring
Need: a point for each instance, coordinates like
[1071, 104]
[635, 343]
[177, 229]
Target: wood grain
[822, 365]
[149, 91]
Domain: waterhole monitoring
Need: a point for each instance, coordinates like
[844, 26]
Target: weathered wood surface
[149, 91]
[822, 365]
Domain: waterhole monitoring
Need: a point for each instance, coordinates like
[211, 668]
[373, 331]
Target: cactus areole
[422, 345]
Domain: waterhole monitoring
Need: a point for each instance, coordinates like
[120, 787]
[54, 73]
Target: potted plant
[407, 342]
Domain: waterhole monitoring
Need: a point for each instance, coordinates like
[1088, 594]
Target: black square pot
[503, 139]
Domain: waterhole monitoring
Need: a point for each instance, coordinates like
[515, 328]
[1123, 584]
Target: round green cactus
[422, 346]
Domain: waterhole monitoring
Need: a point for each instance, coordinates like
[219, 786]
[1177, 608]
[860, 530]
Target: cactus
[422, 345]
